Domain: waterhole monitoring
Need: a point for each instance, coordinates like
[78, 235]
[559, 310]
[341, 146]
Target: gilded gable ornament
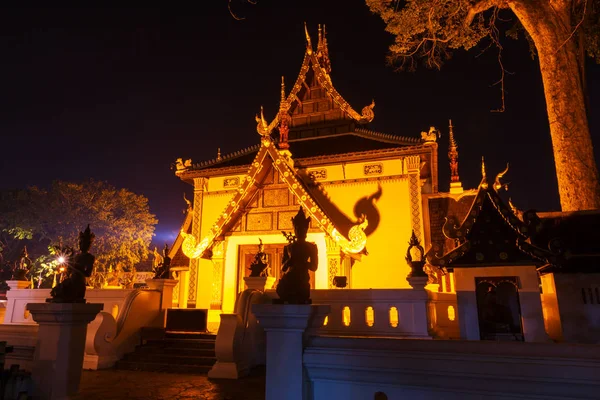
[430, 136]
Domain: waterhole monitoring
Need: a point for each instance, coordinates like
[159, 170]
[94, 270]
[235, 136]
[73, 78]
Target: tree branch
[480, 7]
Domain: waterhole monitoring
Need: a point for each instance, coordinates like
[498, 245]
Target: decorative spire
[453, 155]
[455, 185]
[284, 118]
[484, 183]
[322, 50]
[219, 154]
[309, 48]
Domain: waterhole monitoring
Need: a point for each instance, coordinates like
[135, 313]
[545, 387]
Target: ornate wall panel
[373, 169]
[231, 182]
[284, 220]
[276, 197]
[259, 221]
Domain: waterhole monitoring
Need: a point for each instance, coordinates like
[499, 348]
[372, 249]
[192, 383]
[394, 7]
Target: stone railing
[373, 312]
[442, 311]
[114, 332]
[108, 339]
[17, 299]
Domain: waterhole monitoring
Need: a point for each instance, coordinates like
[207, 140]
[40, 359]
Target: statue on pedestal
[21, 270]
[260, 265]
[299, 257]
[72, 288]
[162, 270]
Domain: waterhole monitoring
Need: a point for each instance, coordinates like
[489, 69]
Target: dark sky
[117, 94]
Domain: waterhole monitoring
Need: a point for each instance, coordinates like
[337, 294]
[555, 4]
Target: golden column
[199, 187]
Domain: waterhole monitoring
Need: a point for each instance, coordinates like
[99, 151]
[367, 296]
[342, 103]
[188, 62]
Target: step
[169, 359]
[190, 335]
[181, 343]
[161, 367]
[209, 352]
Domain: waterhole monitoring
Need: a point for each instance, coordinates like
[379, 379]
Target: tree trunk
[576, 170]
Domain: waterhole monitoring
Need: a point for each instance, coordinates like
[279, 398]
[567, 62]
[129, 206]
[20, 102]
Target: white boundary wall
[357, 368]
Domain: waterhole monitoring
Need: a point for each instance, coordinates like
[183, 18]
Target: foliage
[560, 34]
[45, 219]
[431, 29]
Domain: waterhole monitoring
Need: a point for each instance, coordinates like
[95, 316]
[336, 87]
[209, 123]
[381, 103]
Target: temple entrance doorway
[274, 253]
[499, 309]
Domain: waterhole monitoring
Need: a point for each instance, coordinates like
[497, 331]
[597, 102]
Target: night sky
[117, 94]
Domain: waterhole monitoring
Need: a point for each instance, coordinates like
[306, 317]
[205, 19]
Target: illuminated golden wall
[382, 186]
[385, 266]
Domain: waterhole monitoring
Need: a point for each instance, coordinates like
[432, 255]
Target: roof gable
[267, 156]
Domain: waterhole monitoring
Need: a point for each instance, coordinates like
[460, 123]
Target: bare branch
[574, 29]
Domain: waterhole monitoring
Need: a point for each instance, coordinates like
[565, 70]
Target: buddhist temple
[363, 190]
[491, 270]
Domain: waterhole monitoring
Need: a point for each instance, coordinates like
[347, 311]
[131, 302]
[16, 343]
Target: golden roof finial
[282, 89]
[262, 127]
[451, 134]
[499, 185]
[308, 42]
[320, 42]
[322, 51]
[484, 183]
[218, 153]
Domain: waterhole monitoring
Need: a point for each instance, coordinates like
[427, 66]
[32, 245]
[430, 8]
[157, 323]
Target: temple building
[363, 189]
[511, 275]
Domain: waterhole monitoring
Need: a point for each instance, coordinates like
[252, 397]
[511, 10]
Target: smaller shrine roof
[490, 235]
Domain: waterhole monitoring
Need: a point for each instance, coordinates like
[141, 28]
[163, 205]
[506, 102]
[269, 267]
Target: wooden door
[274, 255]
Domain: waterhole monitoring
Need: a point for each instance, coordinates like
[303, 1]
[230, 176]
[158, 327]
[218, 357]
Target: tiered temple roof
[321, 121]
[491, 234]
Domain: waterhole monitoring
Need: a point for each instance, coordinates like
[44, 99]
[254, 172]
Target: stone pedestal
[417, 282]
[165, 286]
[261, 283]
[18, 284]
[285, 326]
[58, 358]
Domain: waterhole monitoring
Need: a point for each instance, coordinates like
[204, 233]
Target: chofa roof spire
[309, 47]
[455, 185]
[322, 50]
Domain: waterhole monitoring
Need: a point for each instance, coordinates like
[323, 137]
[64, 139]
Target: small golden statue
[260, 265]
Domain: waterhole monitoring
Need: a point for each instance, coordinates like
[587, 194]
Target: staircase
[160, 351]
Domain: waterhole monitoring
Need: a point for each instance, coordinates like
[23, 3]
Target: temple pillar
[334, 265]
[199, 188]
[218, 260]
[412, 167]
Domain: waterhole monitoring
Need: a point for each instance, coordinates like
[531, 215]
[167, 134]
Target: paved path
[137, 385]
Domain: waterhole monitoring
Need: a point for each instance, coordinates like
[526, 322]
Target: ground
[134, 385]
